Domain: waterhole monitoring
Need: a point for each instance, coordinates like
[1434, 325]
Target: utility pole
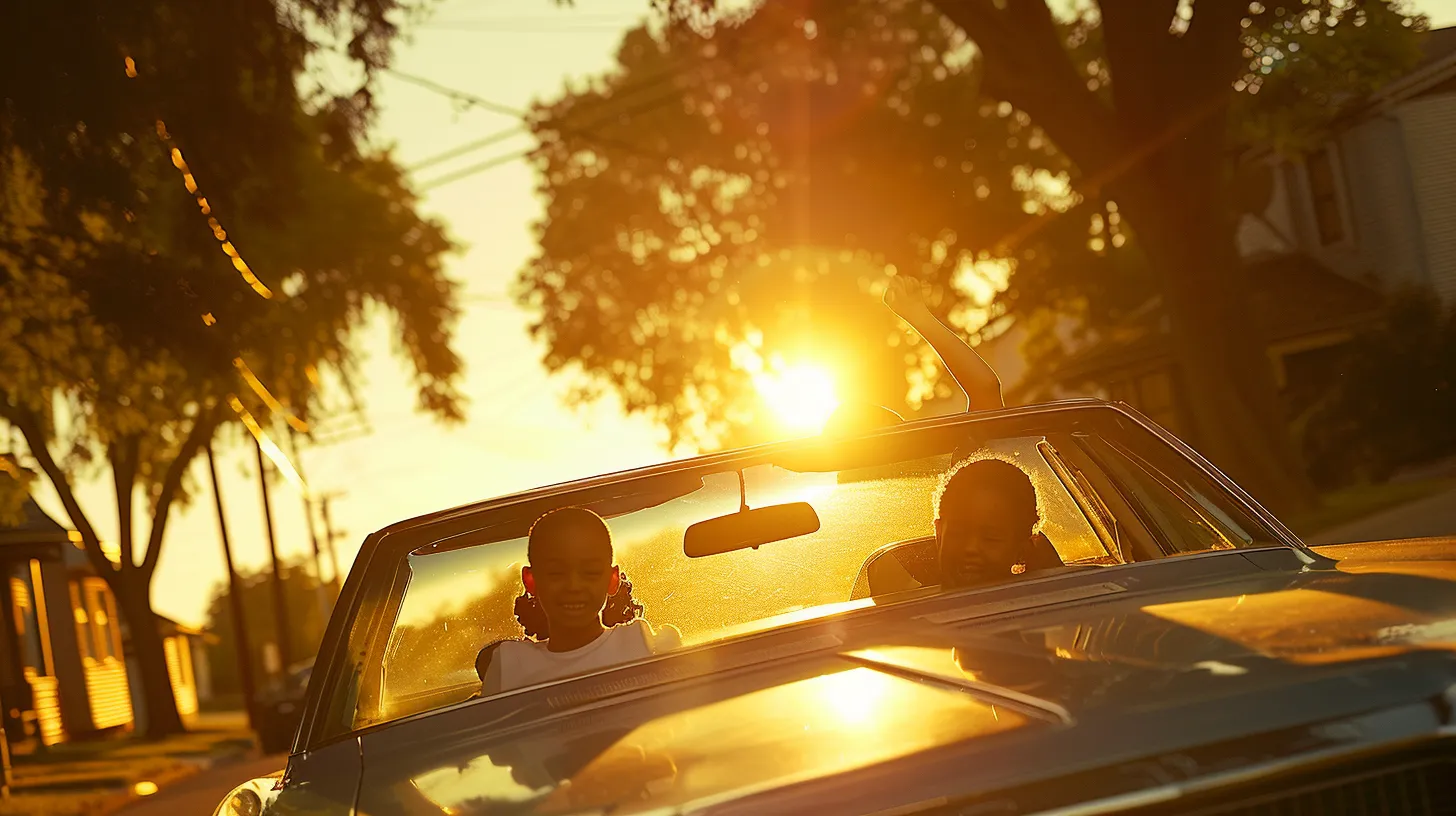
[330, 537]
[280, 599]
[5, 780]
[235, 598]
[320, 593]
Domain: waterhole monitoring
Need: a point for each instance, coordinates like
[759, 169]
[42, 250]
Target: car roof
[708, 460]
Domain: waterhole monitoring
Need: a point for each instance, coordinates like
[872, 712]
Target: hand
[903, 297]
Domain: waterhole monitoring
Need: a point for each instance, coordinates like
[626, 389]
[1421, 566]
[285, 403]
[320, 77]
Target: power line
[473, 169]
[586, 132]
[468, 147]
[459, 95]
[491, 28]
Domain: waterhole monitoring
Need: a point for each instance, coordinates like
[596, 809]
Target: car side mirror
[750, 529]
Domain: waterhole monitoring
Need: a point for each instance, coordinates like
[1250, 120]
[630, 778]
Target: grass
[1360, 501]
[100, 776]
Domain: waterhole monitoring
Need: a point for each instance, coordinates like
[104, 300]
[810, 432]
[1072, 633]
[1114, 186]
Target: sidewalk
[202, 792]
[1429, 517]
[99, 777]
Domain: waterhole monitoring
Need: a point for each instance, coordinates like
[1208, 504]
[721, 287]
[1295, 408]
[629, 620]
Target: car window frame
[383, 553]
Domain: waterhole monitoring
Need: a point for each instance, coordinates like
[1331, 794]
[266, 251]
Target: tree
[1142, 102]
[186, 243]
[684, 242]
[306, 631]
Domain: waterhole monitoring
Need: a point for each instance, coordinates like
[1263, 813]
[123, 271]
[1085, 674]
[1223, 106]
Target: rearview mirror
[750, 529]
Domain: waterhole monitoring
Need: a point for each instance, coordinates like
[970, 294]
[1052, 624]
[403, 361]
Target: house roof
[168, 627]
[1292, 297]
[1437, 64]
[37, 533]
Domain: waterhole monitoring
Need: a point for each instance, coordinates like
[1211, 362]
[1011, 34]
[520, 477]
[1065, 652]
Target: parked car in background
[1179, 651]
[279, 709]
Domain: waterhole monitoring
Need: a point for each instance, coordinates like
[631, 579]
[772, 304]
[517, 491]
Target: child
[975, 377]
[577, 605]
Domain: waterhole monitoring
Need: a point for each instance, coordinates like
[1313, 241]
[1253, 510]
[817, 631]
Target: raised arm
[977, 379]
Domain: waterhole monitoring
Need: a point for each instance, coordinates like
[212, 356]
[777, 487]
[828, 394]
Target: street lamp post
[4, 761]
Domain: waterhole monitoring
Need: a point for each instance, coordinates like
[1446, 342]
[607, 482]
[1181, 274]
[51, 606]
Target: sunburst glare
[801, 396]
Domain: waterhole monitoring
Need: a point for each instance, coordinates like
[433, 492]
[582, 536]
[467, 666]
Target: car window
[1178, 502]
[460, 594]
[431, 607]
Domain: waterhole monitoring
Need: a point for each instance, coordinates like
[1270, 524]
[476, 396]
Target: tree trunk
[1177, 203]
[133, 596]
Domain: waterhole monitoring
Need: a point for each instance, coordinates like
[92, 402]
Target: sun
[801, 396]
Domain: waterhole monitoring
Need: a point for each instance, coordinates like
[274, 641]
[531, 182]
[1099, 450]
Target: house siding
[1382, 203]
[179, 671]
[1430, 142]
[46, 699]
[110, 695]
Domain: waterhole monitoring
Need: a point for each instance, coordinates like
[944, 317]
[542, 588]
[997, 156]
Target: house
[1376, 202]
[185, 648]
[62, 675]
[1370, 211]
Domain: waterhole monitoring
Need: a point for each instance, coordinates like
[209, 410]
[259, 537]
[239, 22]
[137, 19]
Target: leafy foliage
[186, 239]
[697, 225]
[1393, 403]
[1308, 66]
[307, 618]
[684, 242]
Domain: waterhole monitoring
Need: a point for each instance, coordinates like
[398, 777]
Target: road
[1431, 516]
[201, 792]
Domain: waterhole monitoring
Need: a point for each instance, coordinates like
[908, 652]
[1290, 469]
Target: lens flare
[801, 396]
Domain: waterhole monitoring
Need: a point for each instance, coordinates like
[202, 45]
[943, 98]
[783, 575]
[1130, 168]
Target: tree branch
[1143, 57]
[124, 455]
[1214, 45]
[1027, 64]
[31, 428]
[200, 434]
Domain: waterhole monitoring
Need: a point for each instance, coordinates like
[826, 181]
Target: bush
[1393, 401]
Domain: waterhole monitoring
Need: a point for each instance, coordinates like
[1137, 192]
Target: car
[279, 708]
[1171, 646]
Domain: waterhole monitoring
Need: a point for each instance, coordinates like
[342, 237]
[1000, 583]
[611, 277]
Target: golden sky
[517, 434]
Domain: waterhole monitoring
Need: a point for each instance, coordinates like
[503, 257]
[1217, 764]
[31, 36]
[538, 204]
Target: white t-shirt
[518, 663]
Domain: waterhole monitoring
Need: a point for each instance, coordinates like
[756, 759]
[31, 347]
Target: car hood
[966, 696]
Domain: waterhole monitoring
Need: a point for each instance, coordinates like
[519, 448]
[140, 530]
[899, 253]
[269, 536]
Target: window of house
[102, 610]
[27, 629]
[1324, 194]
[84, 642]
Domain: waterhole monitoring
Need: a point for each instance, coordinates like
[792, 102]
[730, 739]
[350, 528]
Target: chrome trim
[1229, 485]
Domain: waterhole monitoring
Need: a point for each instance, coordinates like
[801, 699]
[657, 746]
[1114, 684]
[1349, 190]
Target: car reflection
[824, 725]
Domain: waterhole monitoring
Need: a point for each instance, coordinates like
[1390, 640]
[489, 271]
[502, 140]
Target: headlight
[241, 802]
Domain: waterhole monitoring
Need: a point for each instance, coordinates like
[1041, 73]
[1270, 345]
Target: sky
[518, 433]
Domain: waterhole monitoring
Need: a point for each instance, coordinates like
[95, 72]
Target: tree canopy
[188, 239]
[1042, 153]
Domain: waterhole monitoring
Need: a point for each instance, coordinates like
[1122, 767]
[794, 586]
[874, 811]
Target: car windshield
[456, 591]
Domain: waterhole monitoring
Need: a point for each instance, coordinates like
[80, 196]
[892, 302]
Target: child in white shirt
[577, 605]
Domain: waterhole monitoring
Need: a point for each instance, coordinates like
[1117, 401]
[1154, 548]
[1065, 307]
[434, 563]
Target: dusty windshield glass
[456, 606]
